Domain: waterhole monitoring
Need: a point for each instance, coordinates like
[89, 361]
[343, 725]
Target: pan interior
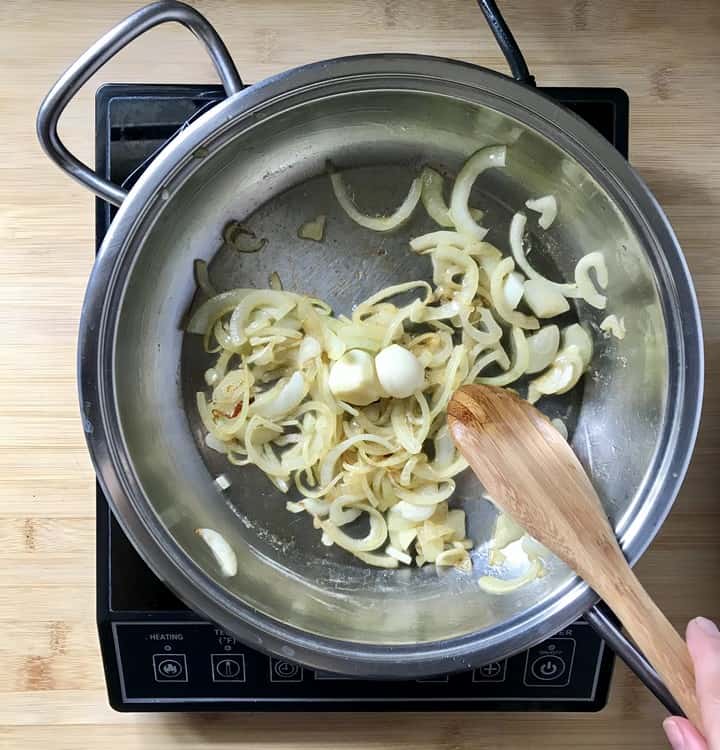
[271, 174]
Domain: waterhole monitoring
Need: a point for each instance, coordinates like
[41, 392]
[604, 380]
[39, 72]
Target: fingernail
[707, 626]
[674, 734]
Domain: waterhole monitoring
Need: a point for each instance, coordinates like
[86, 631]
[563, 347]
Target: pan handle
[605, 624]
[105, 48]
[506, 42]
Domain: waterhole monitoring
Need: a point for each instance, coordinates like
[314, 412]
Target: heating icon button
[170, 667]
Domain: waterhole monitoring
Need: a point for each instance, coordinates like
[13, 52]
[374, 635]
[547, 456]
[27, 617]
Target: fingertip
[682, 735]
[673, 733]
[704, 627]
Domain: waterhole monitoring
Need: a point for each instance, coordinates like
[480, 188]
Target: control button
[548, 667]
[438, 678]
[285, 671]
[492, 672]
[170, 667]
[228, 667]
[550, 663]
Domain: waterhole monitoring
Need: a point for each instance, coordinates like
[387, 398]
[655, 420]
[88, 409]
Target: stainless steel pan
[260, 156]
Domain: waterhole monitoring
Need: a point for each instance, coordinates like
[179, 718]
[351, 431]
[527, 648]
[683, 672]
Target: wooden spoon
[532, 473]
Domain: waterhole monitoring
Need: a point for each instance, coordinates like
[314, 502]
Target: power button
[550, 663]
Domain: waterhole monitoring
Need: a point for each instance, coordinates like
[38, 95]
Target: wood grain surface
[665, 54]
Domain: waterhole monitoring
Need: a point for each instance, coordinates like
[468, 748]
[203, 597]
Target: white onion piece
[378, 561]
[507, 531]
[427, 495]
[281, 401]
[456, 557]
[222, 552]
[576, 335]
[399, 555]
[559, 425]
[214, 309]
[614, 326]
[513, 289]
[309, 349]
[412, 512]
[493, 585]
[543, 347]
[341, 515]
[519, 365]
[546, 207]
[372, 540]
[494, 156]
[377, 223]
[497, 291]
[517, 231]
[214, 444]
[313, 230]
[202, 278]
[428, 242]
[533, 549]
[565, 371]
[434, 202]
[544, 299]
[586, 288]
[327, 467]
[432, 197]
[222, 482]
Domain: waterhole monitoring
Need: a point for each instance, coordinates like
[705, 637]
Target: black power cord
[506, 41]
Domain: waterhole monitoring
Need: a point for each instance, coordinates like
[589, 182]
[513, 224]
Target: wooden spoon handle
[652, 632]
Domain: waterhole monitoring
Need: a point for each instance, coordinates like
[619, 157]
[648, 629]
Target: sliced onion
[519, 365]
[585, 286]
[202, 278]
[543, 347]
[447, 255]
[309, 349]
[517, 230]
[544, 299]
[376, 560]
[398, 555]
[327, 467]
[576, 335]
[456, 557]
[507, 531]
[559, 425]
[376, 535]
[494, 156]
[313, 230]
[493, 585]
[513, 289]
[567, 368]
[412, 512]
[282, 399]
[432, 197]
[427, 494]
[214, 309]
[546, 207]
[222, 552]
[497, 291]
[377, 223]
[614, 326]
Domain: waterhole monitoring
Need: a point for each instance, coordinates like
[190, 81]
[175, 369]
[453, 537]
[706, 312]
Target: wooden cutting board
[52, 691]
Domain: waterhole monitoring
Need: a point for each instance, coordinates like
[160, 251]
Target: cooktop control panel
[198, 662]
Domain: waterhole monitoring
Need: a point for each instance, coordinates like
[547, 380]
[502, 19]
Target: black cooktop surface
[159, 655]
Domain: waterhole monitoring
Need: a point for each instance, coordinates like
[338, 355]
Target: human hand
[703, 640]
